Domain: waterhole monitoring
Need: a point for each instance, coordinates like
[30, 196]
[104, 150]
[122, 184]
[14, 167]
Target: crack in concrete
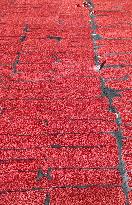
[22, 39]
[47, 199]
[26, 28]
[94, 35]
[58, 146]
[57, 38]
[110, 94]
[15, 63]
[40, 174]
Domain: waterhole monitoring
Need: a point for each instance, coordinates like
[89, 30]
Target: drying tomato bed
[58, 137]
